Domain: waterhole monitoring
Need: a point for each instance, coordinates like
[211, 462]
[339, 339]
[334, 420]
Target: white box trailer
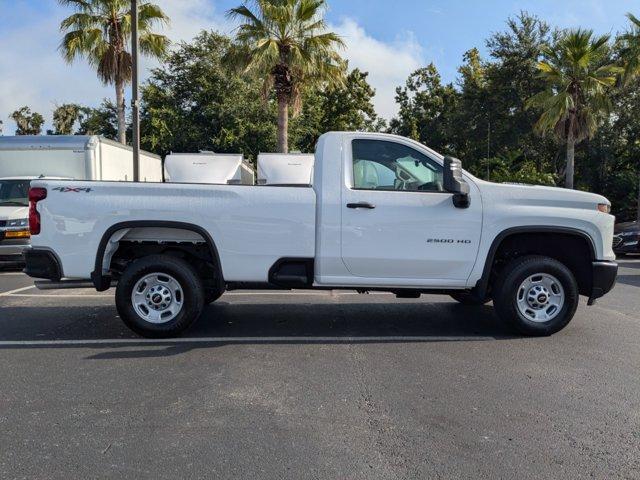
[80, 157]
[285, 168]
[209, 167]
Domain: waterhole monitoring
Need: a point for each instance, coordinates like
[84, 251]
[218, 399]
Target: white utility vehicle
[285, 168]
[383, 213]
[208, 167]
[14, 222]
[80, 157]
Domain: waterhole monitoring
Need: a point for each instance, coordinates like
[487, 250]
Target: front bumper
[11, 250]
[603, 277]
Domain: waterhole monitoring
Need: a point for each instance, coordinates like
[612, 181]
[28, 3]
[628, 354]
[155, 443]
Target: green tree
[28, 123]
[345, 107]
[286, 43]
[65, 117]
[100, 31]
[102, 120]
[511, 78]
[426, 109]
[195, 101]
[579, 74]
[629, 45]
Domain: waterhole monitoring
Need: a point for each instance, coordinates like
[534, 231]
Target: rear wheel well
[128, 244]
[572, 250]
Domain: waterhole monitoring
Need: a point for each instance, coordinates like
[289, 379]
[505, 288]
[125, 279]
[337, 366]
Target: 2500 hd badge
[447, 240]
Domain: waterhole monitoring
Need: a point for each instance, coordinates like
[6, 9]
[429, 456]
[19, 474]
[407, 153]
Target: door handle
[361, 205]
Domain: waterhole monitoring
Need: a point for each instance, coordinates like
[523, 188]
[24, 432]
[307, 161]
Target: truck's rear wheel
[159, 296]
[536, 295]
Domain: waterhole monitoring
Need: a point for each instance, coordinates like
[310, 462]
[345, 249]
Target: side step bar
[51, 285]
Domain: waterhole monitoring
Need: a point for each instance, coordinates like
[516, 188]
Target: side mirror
[454, 183]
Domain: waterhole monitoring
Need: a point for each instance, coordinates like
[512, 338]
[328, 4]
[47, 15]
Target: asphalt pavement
[318, 385]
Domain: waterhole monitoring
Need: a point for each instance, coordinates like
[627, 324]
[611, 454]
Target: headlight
[604, 207]
[19, 222]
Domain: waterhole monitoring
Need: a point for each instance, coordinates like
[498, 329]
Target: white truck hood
[13, 213]
[537, 195]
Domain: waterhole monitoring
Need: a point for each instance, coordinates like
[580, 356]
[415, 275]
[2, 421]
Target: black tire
[211, 295]
[467, 298]
[505, 296]
[192, 295]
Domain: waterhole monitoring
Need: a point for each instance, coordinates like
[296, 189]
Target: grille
[617, 240]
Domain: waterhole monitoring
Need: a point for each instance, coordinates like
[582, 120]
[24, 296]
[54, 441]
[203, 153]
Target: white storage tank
[285, 168]
[208, 167]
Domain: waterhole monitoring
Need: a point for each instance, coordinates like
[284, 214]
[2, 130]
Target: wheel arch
[482, 285]
[102, 282]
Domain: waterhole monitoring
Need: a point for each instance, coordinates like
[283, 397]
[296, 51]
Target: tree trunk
[571, 147]
[283, 124]
[122, 125]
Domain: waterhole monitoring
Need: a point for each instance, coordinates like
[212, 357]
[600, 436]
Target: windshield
[14, 193]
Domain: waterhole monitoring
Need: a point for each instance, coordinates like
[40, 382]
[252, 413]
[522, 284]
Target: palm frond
[579, 75]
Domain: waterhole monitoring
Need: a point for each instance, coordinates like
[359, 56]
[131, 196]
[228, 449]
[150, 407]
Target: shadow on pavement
[626, 263]
[255, 323]
[633, 280]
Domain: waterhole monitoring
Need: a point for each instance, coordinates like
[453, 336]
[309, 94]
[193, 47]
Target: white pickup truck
[383, 213]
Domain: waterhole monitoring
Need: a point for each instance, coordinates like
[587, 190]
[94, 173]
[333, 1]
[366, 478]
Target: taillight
[35, 195]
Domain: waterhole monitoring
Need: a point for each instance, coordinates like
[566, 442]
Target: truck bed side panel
[252, 227]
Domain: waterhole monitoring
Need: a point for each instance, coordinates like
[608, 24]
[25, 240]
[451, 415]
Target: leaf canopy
[287, 44]
[578, 73]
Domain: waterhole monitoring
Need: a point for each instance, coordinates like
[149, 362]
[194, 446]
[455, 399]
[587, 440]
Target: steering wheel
[431, 187]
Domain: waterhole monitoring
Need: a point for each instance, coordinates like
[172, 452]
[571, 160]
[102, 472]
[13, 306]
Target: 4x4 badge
[73, 189]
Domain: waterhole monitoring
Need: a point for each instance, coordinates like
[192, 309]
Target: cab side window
[385, 165]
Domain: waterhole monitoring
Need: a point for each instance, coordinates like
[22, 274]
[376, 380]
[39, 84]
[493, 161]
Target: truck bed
[252, 226]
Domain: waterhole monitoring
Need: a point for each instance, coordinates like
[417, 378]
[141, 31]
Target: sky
[387, 38]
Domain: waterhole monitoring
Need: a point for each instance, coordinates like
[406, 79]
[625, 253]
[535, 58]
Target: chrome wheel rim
[540, 297]
[157, 298]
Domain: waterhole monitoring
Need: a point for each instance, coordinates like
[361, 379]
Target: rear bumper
[603, 278]
[42, 264]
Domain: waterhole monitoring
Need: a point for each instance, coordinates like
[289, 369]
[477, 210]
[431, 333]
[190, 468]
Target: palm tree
[286, 43]
[100, 31]
[629, 48]
[579, 74]
[629, 43]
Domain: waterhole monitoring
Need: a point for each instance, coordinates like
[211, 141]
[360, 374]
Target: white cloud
[388, 63]
[188, 18]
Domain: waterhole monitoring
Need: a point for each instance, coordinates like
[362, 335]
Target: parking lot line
[11, 292]
[284, 339]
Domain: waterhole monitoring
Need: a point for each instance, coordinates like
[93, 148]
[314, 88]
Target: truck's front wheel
[536, 295]
[159, 296]
[467, 298]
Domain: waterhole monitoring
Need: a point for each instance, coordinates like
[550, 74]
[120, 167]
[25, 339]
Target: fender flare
[482, 284]
[102, 282]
